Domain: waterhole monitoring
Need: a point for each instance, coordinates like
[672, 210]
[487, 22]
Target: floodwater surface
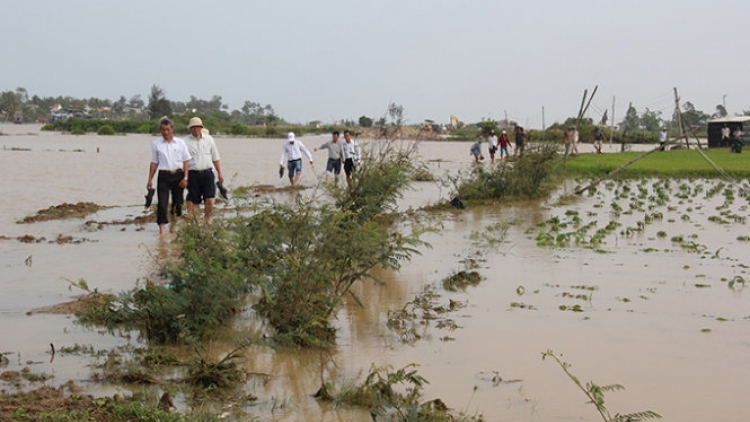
[655, 301]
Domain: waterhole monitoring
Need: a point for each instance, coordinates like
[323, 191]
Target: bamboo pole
[679, 118]
[583, 101]
[612, 126]
[582, 112]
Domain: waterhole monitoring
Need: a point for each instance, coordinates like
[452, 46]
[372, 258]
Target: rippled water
[661, 319]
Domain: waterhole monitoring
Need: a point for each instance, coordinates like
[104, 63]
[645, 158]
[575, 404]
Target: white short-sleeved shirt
[169, 155]
[351, 150]
[203, 152]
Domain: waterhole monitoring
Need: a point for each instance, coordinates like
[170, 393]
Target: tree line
[33, 108]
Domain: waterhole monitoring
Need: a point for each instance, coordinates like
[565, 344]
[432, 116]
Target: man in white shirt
[169, 156]
[292, 152]
[663, 138]
[725, 141]
[351, 156]
[576, 138]
[201, 183]
[492, 141]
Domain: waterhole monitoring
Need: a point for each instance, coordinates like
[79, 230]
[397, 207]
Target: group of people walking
[346, 153]
[501, 143]
[189, 163]
[183, 164]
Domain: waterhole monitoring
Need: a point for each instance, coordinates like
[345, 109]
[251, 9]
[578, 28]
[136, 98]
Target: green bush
[106, 130]
[532, 175]
[205, 291]
[271, 131]
[291, 253]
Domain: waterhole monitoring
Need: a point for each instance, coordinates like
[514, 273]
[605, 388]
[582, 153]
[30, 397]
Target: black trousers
[168, 184]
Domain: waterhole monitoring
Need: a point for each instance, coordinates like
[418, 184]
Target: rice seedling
[737, 282]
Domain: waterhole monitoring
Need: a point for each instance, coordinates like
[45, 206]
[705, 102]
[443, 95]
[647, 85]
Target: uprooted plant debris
[48, 403]
[65, 210]
[78, 305]
[461, 280]
[411, 321]
[60, 239]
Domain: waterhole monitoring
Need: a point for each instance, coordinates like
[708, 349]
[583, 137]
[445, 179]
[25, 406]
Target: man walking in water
[292, 151]
[201, 183]
[476, 150]
[492, 141]
[169, 157]
[504, 144]
[520, 139]
[335, 154]
[352, 156]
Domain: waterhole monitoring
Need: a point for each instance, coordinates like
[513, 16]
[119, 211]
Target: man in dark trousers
[169, 157]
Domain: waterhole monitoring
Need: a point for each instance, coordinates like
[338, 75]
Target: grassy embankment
[679, 163]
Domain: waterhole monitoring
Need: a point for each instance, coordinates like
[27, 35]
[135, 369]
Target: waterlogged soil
[56, 212]
[641, 283]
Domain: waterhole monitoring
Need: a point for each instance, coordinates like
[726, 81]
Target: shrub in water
[106, 130]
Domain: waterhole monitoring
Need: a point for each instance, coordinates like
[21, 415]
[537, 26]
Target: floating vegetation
[574, 308]
[396, 395]
[691, 246]
[717, 219]
[738, 280]
[461, 280]
[225, 373]
[412, 321]
[520, 305]
[491, 236]
[579, 296]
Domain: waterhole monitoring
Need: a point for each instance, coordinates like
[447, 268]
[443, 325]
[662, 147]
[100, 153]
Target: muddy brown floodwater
[660, 306]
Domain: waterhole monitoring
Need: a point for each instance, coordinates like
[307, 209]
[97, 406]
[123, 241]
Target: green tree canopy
[158, 104]
[632, 121]
[651, 120]
[365, 121]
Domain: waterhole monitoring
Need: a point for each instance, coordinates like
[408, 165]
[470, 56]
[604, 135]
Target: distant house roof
[731, 119]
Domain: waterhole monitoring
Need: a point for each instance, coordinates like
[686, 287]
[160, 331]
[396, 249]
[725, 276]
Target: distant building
[733, 122]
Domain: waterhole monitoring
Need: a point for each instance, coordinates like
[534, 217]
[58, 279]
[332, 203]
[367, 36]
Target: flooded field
[642, 283]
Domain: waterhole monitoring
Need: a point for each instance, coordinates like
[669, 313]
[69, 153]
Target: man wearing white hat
[292, 151]
[201, 183]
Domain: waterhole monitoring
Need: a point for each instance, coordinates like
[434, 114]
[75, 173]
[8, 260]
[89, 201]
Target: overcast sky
[340, 59]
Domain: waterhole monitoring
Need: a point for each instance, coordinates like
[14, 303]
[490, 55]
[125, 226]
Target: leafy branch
[595, 393]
